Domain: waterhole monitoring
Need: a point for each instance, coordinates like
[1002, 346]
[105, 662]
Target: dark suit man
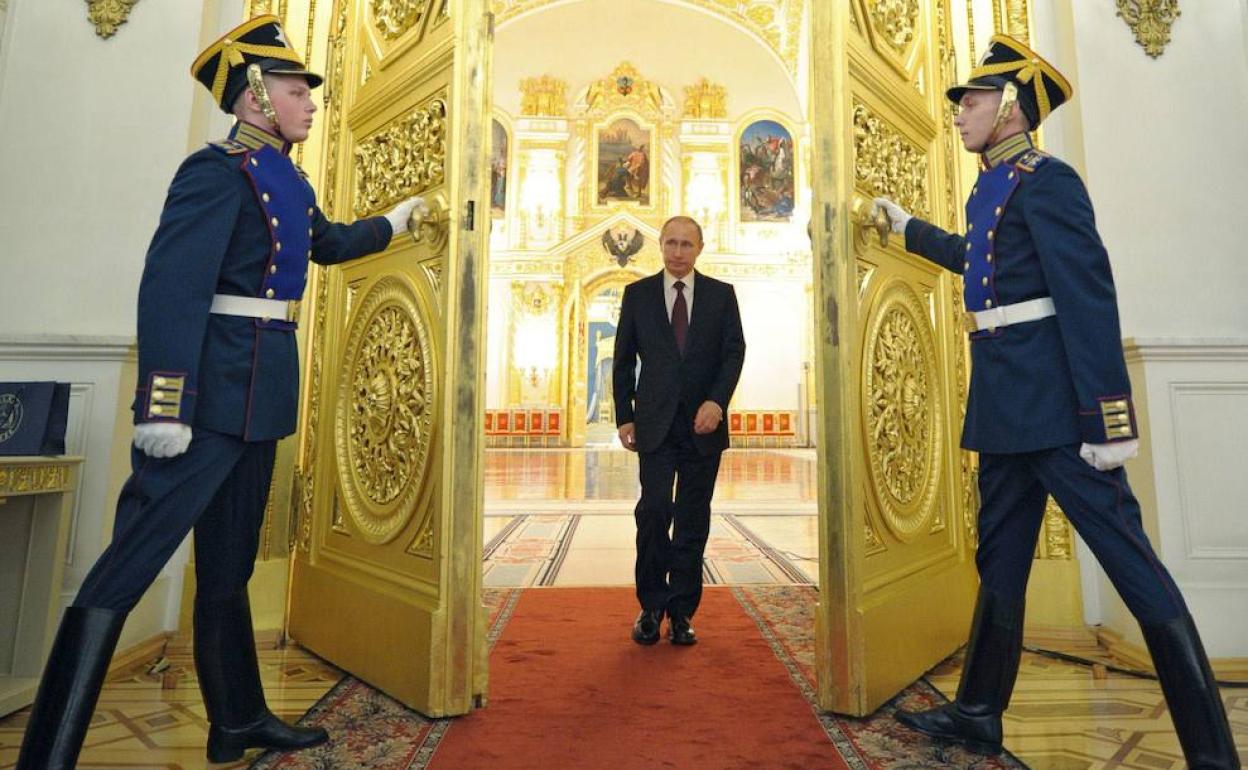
[218, 386]
[673, 416]
[1050, 408]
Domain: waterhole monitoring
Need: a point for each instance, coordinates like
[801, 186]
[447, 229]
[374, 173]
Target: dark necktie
[680, 316]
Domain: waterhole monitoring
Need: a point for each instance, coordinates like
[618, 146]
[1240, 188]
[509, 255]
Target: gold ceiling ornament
[1150, 20]
[896, 21]
[108, 15]
[623, 88]
[888, 164]
[777, 23]
[406, 158]
[1056, 541]
[384, 422]
[901, 405]
[395, 17]
[705, 100]
[544, 96]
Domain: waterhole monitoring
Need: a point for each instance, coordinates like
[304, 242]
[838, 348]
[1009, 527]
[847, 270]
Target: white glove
[1106, 457]
[162, 439]
[399, 215]
[897, 216]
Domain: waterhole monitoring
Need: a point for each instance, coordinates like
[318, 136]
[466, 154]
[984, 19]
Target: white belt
[1008, 315]
[255, 307]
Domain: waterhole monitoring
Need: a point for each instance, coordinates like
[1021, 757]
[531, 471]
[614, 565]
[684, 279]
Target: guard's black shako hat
[222, 67]
[1041, 88]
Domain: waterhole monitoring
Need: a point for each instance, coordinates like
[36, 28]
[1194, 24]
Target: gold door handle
[865, 221]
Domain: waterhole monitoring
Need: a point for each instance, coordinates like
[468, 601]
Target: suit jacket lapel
[659, 303]
[703, 290]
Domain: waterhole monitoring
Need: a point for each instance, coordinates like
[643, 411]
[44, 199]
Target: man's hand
[897, 216]
[399, 215]
[628, 436]
[1106, 457]
[708, 418]
[162, 439]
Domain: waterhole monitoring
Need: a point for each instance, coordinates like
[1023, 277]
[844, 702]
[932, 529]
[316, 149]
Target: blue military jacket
[240, 218]
[1030, 234]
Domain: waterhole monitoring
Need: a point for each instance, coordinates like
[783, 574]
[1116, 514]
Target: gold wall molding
[1150, 20]
[705, 100]
[108, 15]
[1011, 17]
[624, 89]
[896, 21]
[393, 18]
[902, 410]
[544, 96]
[406, 158]
[777, 23]
[385, 416]
[888, 164]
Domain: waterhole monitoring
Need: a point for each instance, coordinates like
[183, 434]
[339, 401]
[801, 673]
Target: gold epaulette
[229, 146]
[1031, 160]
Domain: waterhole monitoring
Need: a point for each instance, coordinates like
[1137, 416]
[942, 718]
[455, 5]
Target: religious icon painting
[498, 170]
[766, 163]
[624, 163]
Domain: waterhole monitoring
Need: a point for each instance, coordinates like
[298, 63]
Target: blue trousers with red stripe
[218, 488]
[1099, 504]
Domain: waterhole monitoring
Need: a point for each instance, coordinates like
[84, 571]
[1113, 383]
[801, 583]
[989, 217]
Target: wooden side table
[36, 499]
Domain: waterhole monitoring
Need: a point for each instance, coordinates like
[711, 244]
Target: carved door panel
[386, 578]
[897, 568]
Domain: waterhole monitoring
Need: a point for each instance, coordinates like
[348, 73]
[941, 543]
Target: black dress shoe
[980, 733]
[680, 632]
[646, 627]
[226, 744]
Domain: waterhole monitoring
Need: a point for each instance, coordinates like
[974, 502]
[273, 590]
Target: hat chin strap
[255, 79]
[1009, 97]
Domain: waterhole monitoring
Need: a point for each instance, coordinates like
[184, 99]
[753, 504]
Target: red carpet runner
[569, 689]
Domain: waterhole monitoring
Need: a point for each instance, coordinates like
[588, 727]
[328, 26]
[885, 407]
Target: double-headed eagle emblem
[623, 244]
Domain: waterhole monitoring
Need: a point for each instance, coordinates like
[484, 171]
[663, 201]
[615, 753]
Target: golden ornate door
[386, 575]
[897, 572]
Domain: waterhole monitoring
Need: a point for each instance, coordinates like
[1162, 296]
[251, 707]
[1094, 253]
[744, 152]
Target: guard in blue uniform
[1050, 408]
[218, 386]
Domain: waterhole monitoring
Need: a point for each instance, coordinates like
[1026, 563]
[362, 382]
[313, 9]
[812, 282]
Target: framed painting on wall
[623, 163]
[766, 163]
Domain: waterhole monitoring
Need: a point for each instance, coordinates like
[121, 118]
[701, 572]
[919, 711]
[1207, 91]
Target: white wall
[1162, 146]
[91, 132]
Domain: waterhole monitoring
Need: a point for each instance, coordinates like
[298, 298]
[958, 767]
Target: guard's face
[681, 247]
[292, 101]
[977, 111]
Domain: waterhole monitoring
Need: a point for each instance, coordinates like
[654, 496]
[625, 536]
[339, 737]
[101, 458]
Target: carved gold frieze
[901, 406]
[405, 158]
[624, 88]
[33, 478]
[1010, 17]
[895, 21]
[108, 15]
[705, 100]
[1056, 541]
[395, 17]
[543, 96]
[888, 164]
[1150, 20]
[385, 411]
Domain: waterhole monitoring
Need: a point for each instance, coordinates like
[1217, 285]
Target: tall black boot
[1192, 694]
[229, 678]
[992, 655]
[71, 685]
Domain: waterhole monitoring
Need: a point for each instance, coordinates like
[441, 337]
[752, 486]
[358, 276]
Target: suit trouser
[218, 487]
[1099, 504]
[677, 462]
